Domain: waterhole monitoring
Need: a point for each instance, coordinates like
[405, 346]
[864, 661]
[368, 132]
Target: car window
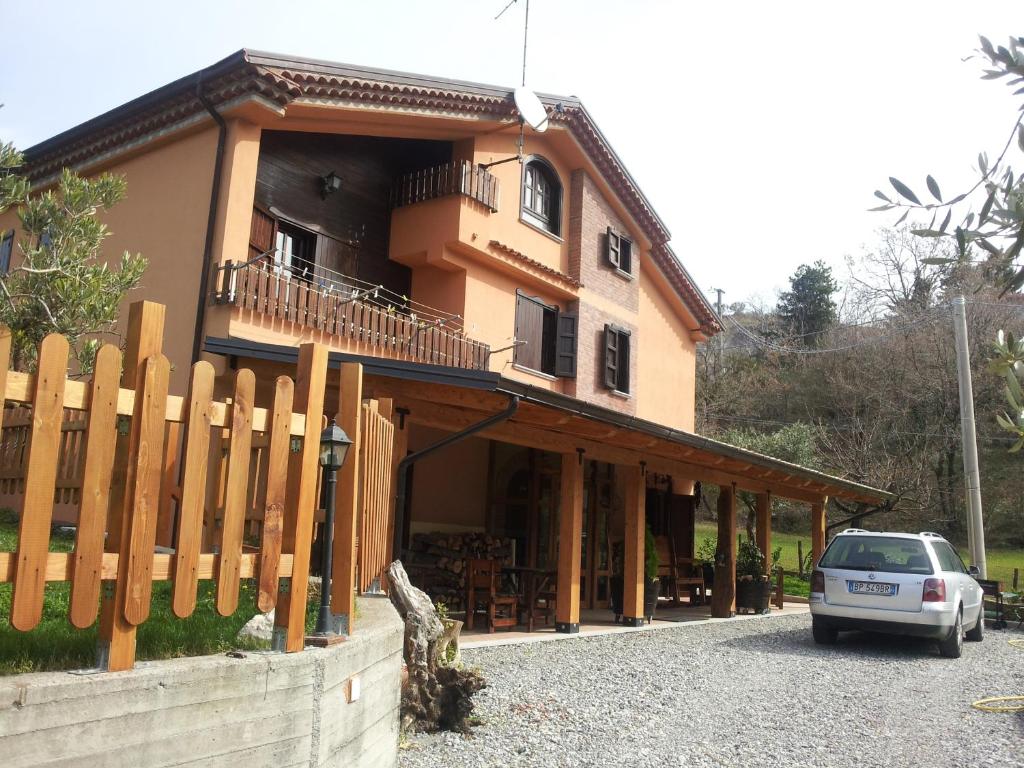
[887, 554]
[948, 559]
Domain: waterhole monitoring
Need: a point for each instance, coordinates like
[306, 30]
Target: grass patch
[1001, 562]
[56, 645]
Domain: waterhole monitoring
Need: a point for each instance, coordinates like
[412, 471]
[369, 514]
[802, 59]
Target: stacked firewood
[436, 562]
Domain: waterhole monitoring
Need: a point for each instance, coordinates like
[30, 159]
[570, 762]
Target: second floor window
[542, 196]
[545, 337]
[619, 251]
[616, 358]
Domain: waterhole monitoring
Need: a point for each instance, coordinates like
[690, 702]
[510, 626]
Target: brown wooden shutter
[623, 369]
[611, 357]
[529, 329]
[261, 233]
[613, 248]
[565, 345]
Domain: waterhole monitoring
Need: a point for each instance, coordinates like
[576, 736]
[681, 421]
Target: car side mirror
[974, 570]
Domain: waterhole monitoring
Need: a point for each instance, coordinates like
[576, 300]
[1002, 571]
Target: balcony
[459, 177]
[356, 316]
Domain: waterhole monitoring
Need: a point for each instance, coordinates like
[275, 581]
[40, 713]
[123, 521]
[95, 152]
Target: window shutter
[611, 357]
[613, 247]
[565, 345]
[623, 368]
[529, 333]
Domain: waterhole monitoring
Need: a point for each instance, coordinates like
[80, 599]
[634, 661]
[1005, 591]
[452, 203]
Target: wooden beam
[764, 528]
[570, 543]
[343, 587]
[817, 530]
[633, 580]
[59, 566]
[723, 592]
[116, 642]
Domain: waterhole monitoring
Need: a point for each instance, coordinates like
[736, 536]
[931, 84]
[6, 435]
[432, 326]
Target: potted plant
[652, 584]
[706, 557]
[753, 587]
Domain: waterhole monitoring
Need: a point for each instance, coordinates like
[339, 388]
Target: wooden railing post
[570, 540]
[633, 577]
[817, 530]
[723, 593]
[300, 499]
[116, 644]
[343, 583]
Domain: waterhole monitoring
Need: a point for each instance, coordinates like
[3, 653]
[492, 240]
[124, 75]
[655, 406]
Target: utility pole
[721, 337]
[972, 475]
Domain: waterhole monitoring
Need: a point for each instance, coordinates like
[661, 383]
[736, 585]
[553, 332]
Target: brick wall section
[589, 219]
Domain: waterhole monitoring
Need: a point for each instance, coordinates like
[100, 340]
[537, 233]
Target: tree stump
[435, 697]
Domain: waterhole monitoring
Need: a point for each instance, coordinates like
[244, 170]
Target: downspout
[412, 458]
[204, 278]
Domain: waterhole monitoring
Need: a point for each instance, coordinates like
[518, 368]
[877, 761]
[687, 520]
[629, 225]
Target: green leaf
[902, 218]
[1015, 448]
[926, 233]
[945, 221]
[986, 209]
[933, 187]
[882, 208]
[880, 196]
[1020, 128]
[961, 241]
[1005, 423]
[936, 261]
[982, 163]
[904, 190]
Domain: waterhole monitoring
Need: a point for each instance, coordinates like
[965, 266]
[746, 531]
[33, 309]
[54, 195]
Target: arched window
[542, 195]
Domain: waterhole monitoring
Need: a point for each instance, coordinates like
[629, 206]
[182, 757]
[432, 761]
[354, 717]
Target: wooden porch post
[723, 593]
[570, 543]
[633, 555]
[817, 530]
[116, 646]
[398, 452]
[764, 529]
[343, 584]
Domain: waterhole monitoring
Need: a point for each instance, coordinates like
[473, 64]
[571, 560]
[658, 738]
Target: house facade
[476, 269]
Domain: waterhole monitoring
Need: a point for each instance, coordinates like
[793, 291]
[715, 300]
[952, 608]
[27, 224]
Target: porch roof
[455, 398]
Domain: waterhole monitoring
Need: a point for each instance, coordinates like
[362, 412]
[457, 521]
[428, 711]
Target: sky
[758, 130]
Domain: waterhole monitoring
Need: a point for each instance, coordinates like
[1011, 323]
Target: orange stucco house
[395, 218]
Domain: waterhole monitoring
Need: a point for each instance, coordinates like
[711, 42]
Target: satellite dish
[531, 110]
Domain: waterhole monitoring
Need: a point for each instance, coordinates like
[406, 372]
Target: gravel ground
[757, 692]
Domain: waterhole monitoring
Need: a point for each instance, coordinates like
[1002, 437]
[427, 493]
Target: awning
[454, 398]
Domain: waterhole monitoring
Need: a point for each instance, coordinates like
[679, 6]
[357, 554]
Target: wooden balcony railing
[459, 177]
[348, 313]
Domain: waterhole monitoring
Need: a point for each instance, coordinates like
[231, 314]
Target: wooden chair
[689, 577]
[482, 582]
[543, 601]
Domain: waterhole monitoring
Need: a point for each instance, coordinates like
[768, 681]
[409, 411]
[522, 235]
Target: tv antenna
[531, 109]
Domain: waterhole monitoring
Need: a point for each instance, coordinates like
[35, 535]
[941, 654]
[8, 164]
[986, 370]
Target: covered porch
[561, 490]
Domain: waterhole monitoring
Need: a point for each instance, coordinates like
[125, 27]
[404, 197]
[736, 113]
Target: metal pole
[972, 475]
[324, 619]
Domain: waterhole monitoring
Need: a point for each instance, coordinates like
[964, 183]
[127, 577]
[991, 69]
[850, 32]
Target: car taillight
[817, 581]
[934, 591]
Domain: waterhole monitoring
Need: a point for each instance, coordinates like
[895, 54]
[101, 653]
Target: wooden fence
[377, 474]
[235, 461]
[459, 177]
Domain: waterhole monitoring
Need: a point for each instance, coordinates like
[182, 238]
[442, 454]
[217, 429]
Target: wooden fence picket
[143, 497]
[276, 459]
[40, 480]
[235, 495]
[311, 381]
[101, 439]
[193, 491]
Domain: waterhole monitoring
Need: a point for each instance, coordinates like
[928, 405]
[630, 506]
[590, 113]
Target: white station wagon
[897, 583]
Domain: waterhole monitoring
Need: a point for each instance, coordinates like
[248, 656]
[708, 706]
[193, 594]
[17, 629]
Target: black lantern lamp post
[334, 445]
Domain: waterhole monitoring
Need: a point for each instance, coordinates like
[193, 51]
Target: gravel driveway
[757, 692]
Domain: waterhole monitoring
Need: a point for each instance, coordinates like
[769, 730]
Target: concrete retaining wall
[322, 707]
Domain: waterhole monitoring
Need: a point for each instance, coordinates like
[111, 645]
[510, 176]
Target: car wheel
[977, 633]
[823, 634]
[953, 645]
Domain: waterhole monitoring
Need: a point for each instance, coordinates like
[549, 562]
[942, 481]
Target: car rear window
[887, 554]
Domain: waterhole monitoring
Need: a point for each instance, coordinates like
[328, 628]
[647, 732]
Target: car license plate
[871, 588]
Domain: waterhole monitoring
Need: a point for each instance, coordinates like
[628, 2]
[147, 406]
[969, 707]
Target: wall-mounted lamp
[329, 184]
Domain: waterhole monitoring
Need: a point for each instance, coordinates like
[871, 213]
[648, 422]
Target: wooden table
[531, 582]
